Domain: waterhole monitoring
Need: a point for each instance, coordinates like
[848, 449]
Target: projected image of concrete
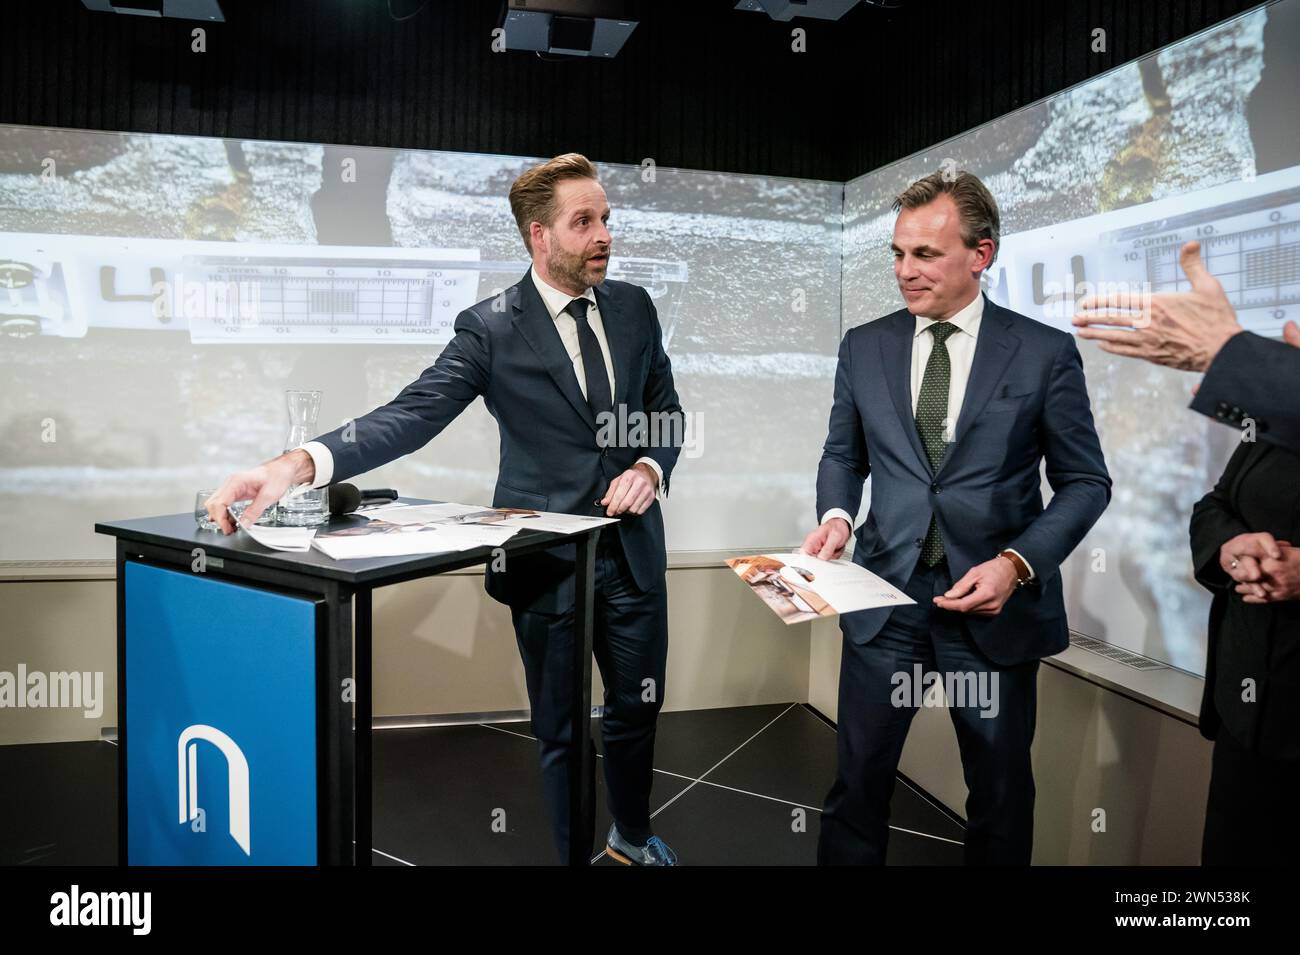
[200, 279]
[158, 295]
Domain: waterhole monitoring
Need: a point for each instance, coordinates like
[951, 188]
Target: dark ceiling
[698, 85]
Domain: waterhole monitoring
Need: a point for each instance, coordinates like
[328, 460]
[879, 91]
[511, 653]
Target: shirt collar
[967, 320]
[554, 299]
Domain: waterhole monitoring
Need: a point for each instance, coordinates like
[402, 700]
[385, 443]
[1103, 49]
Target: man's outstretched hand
[1182, 330]
[263, 485]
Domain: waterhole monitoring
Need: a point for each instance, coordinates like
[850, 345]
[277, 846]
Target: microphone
[346, 498]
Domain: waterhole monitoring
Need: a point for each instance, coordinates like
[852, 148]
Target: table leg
[363, 686]
[581, 810]
[122, 858]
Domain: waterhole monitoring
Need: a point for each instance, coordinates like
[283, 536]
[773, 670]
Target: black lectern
[220, 630]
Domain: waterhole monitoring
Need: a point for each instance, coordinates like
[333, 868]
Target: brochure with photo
[798, 587]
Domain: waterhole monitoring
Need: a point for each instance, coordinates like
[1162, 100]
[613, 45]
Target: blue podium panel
[221, 752]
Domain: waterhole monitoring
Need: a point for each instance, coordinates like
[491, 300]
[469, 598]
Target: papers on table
[400, 530]
[798, 587]
[281, 538]
[558, 523]
[403, 530]
[382, 505]
[410, 540]
[421, 513]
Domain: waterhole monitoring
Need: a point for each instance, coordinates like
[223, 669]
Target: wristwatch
[1022, 569]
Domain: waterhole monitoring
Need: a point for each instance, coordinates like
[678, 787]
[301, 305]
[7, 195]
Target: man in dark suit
[1243, 536]
[950, 405]
[562, 359]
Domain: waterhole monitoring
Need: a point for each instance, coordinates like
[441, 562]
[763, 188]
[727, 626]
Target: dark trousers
[1250, 814]
[877, 700]
[630, 644]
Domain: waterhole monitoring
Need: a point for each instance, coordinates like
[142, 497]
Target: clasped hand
[1265, 570]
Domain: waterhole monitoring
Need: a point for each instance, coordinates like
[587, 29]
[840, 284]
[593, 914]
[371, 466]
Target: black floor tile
[689, 742]
[909, 809]
[907, 849]
[438, 791]
[793, 759]
[709, 825]
[61, 804]
[712, 826]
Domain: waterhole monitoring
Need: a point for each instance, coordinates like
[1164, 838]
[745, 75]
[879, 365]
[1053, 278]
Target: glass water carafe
[302, 506]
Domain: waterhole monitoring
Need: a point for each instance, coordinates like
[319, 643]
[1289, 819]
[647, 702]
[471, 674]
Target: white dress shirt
[567, 326]
[961, 357]
[556, 301]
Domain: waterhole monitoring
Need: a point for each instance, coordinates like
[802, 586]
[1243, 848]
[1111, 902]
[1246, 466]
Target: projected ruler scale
[346, 300]
[1258, 268]
[66, 285]
[1249, 233]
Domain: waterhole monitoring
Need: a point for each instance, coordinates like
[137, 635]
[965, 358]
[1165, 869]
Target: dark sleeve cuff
[1249, 382]
[1213, 399]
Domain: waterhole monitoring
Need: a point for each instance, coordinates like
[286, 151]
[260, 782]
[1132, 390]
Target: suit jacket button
[936, 488]
[919, 542]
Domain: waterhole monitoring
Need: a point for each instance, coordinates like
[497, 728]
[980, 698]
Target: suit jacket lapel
[535, 326]
[619, 340]
[896, 355]
[993, 352]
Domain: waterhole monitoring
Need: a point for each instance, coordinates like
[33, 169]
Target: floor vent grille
[1134, 660]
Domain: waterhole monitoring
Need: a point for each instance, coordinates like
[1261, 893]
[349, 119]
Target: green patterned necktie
[931, 415]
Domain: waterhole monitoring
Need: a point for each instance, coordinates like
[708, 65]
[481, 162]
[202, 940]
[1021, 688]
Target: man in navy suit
[562, 359]
[950, 405]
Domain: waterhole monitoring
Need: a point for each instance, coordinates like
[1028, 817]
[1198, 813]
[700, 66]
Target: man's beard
[573, 270]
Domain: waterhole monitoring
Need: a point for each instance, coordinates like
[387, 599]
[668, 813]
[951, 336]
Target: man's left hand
[632, 492]
[982, 590]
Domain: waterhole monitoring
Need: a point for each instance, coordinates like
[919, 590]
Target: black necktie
[593, 360]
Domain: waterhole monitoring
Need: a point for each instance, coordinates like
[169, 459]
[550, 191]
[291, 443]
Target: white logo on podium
[236, 773]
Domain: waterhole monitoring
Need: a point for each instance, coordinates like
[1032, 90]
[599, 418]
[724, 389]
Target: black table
[344, 796]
